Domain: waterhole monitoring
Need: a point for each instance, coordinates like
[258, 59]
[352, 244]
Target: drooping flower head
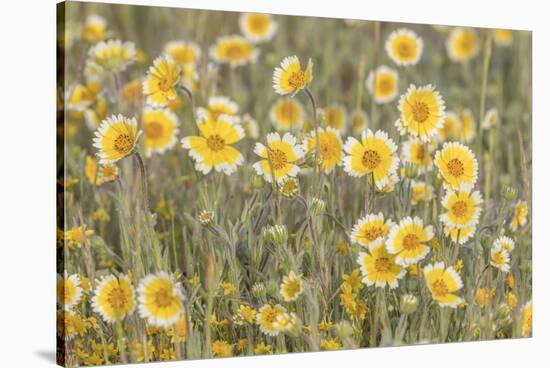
[116, 138]
[382, 84]
[422, 112]
[462, 45]
[519, 216]
[291, 287]
[287, 114]
[160, 130]
[443, 283]
[330, 147]
[162, 80]
[456, 164]
[404, 47]
[375, 154]
[213, 148]
[69, 291]
[113, 55]
[409, 240]
[234, 51]
[289, 78]
[257, 27]
[462, 207]
[379, 268]
[114, 298]
[284, 153]
[371, 230]
[160, 299]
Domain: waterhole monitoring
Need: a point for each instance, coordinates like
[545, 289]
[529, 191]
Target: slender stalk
[144, 188]
[483, 96]
[316, 129]
[376, 42]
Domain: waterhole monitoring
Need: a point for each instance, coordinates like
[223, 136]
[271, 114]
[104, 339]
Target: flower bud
[409, 303]
[509, 193]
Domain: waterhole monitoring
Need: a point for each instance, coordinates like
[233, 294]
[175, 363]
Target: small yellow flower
[335, 116]
[75, 236]
[113, 55]
[267, 316]
[379, 267]
[468, 126]
[483, 297]
[331, 344]
[503, 37]
[443, 283]
[354, 279]
[287, 114]
[132, 93]
[90, 171]
[257, 27]
[418, 153]
[289, 78]
[382, 84]
[69, 292]
[116, 138]
[289, 187]
[94, 29]
[263, 349]
[462, 45]
[404, 47]
[527, 319]
[107, 173]
[283, 154]
[451, 129]
[422, 112]
[178, 332]
[291, 287]
[500, 258]
[219, 105]
[505, 243]
[511, 300]
[221, 348]
[245, 314]
[519, 217]
[491, 119]
[143, 352]
[160, 130]
[457, 164]
[462, 207]
[182, 52]
[330, 147]
[510, 281]
[160, 299]
[114, 298]
[461, 235]
[421, 192]
[409, 241]
[371, 230]
[228, 288]
[234, 50]
[160, 86]
[359, 121]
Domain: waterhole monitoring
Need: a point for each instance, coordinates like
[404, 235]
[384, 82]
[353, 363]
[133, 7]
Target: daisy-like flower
[77, 235]
[160, 130]
[330, 147]
[292, 287]
[463, 207]
[408, 241]
[359, 121]
[162, 80]
[257, 27]
[503, 37]
[220, 105]
[505, 242]
[421, 192]
[267, 316]
[283, 154]
[491, 119]
[451, 128]
[212, 149]
[94, 29]
[375, 154]
[418, 153]
[116, 138]
[519, 216]
[379, 267]
[234, 50]
[422, 112]
[113, 55]
[107, 173]
[443, 284]
[371, 230]
[160, 299]
[462, 45]
[289, 78]
[404, 47]
[183, 52]
[468, 126]
[287, 114]
[69, 291]
[222, 349]
[114, 298]
[460, 236]
[245, 314]
[289, 187]
[527, 319]
[382, 84]
[335, 116]
[457, 164]
[80, 97]
[500, 258]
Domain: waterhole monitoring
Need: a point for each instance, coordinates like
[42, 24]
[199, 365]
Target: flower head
[220, 105]
[500, 258]
[289, 78]
[491, 119]
[519, 216]
[114, 298]
[257, 27]
[234, 50]
[335, 116]
[443, 283]
[94, 29]
[371, 230]
[221, 348]
[160, 299]
[116, 138]
[287, 114]
[281, 155]
[505, 242]
[527, 319]
[183, 52]
[359, 121]
[460, 235]
[422, 112]
[291, 287]
[462, 45]
[379, 267]
[162, 80]
[267, 316]
[457, 164]
[452, 127]
[503, 37]
[68, 290]
[382, 84]
[107, 173]
[330, 147]
[212, 149]
[409, 241]
[418, 153]
[375, 154]
[404, 47]
[421, 192]
[462, 207]
[468, 126]
[113, 55]
[160, 127]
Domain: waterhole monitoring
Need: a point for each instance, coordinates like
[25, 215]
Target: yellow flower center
[278, 159]
[166, 82]
[385, 84]
[118, 298]
[371, 159]
[153, 130]
[183, 55]
[109, 171]
[235, 51]
[420, 153]
[411, 241]
[164, 297]
[421, 111]
[215, 142]
[292, 287]
[373, 233]
[439, 288]
[405, 49]
[328, 150]
[269, 316]
[124, 143]
[297, 79]
[382, 264]
[498, 258]
[258, 23]
[455, 167]
[460, 208]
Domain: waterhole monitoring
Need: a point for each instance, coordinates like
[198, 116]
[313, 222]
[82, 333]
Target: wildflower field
[244, 184]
